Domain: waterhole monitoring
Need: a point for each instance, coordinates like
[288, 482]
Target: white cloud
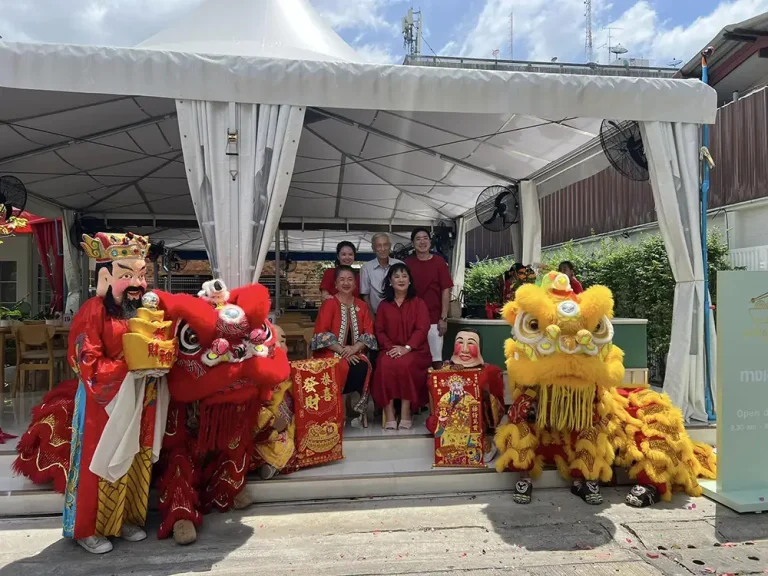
[356, 14]
[547, 28]
[645, 36]
[378, 54]
[128, 22]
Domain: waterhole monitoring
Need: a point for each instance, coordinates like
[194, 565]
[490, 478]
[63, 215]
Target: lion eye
[189, 342]
[533, 324]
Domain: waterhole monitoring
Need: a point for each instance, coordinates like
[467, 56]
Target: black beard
[127, 309]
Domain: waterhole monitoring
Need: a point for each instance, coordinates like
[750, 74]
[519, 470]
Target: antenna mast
[511, 35]
[588, 53]
[412, 27]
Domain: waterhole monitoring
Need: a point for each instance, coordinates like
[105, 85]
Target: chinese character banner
[319, 411]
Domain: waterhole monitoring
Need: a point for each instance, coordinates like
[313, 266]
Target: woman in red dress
[344, 329]
[402, 325]
[345, 256]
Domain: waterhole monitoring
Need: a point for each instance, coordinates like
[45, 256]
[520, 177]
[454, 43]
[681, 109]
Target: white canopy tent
[248, 113]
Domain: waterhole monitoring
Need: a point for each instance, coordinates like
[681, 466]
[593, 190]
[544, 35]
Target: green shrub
[482, 281]
[640, 277]
[637, 273]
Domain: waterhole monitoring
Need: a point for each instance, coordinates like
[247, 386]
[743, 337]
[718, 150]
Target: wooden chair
[43, 357]
[299, 332]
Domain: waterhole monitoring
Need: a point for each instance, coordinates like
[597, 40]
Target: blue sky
[660, 30]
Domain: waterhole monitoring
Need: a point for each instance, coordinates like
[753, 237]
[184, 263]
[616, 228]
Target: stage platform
[377, 463]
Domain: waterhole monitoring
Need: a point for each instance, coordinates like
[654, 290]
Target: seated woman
[344, 329]
[515, 277]
[402, 325]
[345, 256]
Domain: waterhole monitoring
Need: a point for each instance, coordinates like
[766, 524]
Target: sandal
[522, 492]
[642, 496]
[588, 491]
[406, 424]
[390, 425]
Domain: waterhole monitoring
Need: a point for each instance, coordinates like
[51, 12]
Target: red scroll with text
[457, 417]
[319, 411]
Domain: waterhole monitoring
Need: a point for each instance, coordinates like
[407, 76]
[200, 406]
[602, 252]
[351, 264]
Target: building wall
[608, 202]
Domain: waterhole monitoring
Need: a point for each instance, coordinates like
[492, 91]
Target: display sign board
[742, 392]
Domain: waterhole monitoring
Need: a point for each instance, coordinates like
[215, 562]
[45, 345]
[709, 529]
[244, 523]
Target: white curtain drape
[458, 258]
[531, 224]
[239, 160]
[672, 150]
[72, 271]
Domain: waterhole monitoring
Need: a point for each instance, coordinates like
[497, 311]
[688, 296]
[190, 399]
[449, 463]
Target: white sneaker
[96, 544]
[131, 533]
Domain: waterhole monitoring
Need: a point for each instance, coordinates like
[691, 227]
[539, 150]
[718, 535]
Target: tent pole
[704, 206]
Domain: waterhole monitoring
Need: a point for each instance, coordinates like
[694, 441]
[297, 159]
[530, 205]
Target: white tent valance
[222, 78]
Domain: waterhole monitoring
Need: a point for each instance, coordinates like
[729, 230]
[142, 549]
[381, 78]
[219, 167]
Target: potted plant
[8, 316]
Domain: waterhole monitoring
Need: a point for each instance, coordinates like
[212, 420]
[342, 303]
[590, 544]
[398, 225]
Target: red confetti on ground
[629, 541]
[651, 555]
[463, 555]
[693, 506]
[602, 555]
[376, 532]
[261, 525]
[728, 545]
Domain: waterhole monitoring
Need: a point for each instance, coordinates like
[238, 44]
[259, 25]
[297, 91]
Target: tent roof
[94, 129]
[268, 28]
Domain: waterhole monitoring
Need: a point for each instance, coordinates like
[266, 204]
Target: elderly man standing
[373, 272]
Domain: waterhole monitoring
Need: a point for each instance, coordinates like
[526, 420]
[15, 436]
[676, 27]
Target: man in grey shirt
[374, 272]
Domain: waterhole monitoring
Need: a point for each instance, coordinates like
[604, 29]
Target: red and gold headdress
[109, 247]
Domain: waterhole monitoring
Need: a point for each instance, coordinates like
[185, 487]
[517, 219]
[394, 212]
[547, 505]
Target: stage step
[372, 467]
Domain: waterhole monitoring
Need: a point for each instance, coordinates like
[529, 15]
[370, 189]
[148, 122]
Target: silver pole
[277, 273]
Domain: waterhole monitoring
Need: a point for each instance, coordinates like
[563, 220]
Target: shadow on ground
[219, 535]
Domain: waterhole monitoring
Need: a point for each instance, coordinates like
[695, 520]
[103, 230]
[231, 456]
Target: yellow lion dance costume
[567, 410]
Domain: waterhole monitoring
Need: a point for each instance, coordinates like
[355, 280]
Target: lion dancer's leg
[225, 476]
[518, 443]
[179, 504]
[590, 462]
[658, 452]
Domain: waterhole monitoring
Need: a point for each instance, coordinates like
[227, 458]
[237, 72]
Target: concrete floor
[484, 534]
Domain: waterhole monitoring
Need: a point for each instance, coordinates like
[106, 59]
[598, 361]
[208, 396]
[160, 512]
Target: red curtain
[48, 239]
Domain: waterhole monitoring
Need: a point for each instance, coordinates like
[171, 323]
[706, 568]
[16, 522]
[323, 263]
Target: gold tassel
[565, 408]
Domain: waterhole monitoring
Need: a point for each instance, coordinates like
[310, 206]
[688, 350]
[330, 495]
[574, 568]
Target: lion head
[560, 338]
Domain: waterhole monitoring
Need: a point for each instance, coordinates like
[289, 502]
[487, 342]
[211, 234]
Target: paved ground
[485, 535]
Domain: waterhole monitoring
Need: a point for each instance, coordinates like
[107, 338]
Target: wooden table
[6, 332]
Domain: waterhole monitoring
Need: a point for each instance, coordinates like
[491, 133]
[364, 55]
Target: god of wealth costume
[467, 355]
[275, 431]
[568, 410]
[98, 437]
[228, 365]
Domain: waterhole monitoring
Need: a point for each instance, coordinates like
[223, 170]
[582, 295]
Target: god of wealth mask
[466, 350]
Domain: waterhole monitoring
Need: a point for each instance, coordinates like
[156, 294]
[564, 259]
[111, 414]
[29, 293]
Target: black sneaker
[522, 492]
[588, 491]
[642, 496]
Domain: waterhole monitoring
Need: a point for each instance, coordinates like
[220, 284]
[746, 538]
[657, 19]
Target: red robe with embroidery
[338, 323]
[96, 354]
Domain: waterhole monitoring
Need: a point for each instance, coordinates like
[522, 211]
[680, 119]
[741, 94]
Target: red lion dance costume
[227, 365]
